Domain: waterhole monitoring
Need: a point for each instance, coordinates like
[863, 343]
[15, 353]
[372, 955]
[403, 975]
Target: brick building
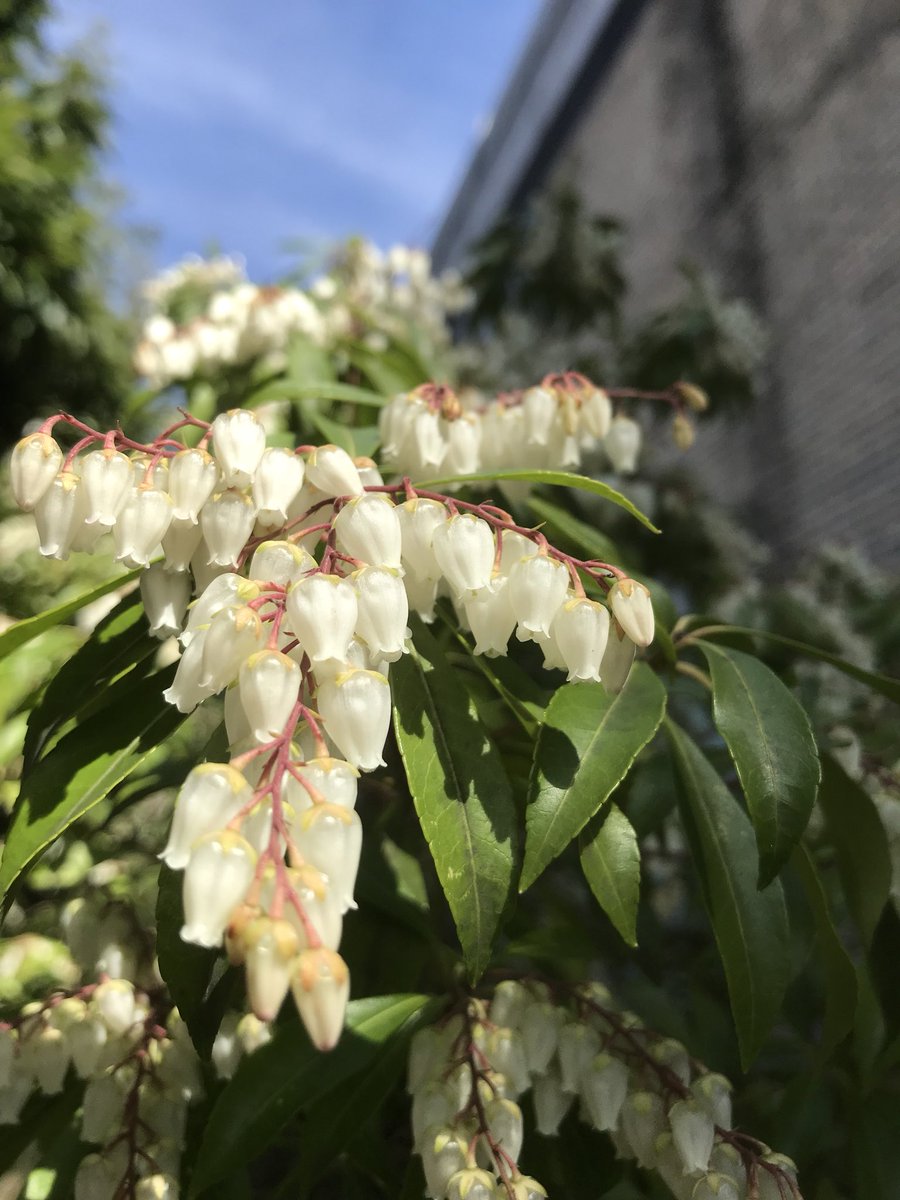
[761, 139]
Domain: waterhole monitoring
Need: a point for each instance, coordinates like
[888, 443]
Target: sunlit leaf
[611, 862]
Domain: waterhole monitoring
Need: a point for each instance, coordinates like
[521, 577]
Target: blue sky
[250, 124]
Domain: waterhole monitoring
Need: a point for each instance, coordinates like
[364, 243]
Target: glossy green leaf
[860, 844]
[841, 988]
[582, 483]
[885, 685]
[23, 631]
[574, 533]
[85, 766]
[770, 739]
[289, 1076]
[750, 926]
[460, 790]
[611, 862]
[586, 746]
[288, 389]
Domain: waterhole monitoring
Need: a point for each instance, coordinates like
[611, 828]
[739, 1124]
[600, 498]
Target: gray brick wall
[761, 139]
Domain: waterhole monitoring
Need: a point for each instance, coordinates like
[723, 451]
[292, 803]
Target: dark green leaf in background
[611, 861]
[750, 926]
[769, 737]
[23, 631]
[587, 744]
[460, 790]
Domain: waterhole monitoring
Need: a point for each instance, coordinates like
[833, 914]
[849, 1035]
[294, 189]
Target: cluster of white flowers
[431, 430]
[140, 1079]
[368, 295]
[659, 1107]
[301, 645]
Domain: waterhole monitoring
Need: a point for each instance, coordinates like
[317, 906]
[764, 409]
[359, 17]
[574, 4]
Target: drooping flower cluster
[208, 317]
[578, 1051]
[305, 566]
[432, 431]
[141, 1077]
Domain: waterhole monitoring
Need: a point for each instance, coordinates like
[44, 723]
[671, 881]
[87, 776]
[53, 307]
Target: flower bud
[633, 609]
[580, 631]
[491, 617]
[106, 477]
[596, 413]
[180, 543]
[276, 483]
[323, 611]
[623, 444]
[225, 590]
[218, 874]
[234, 634]
[537, 589]
[280, 563]
[86, 1041]
[165, 596]
[504, 1118]
[463, 443]
[210, 797]
[421, 595]
[643, 1120]
[540, 1033]
[423, 447]
[368, 529]
[332, 470]
[464, 550]
[578, 1045]
[156, 1187]
[330, 837]
[551, 1104]
[356, 709]
[57, 515]
[270, 952]
[239, 441]
[524, 1187]
[140, 526]
[604, 1087]
[33, 466]
[114, 1000]
[693, 396]
[192, 479]
[321, 987]
[683, 432]
[269, 684]
[443, 1154]
[382, 612]
[693, 1133]
[714, 1093]
[418, 520]
[618, 657]
[332, 778]
[539, 412]
[186, 690]
[227, 521]
[226, 1049]
[720, 1187]
[471, 1184]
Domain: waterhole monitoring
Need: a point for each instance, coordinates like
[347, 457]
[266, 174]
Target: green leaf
[289, 1076]
[194, 976]
[85, 766]
[552, 478]
[586, 746]
[23, 631]
[883, 684]
[770, 739]
[579, 535]
[611, 862]
[750, 926]
[860, 844]
[460, 790]
[288, 389]
[841, 988]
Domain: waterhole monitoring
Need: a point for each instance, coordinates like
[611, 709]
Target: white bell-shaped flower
[672, 1055]
[633, 609]
[506, 1051]
[57, 515]
[193, 475]
[604, 1087]
[187, 690]
[330, 837]
[356, 709]
[463, 445]
[491, 617]
[141, 525]
[280, 563]
[116, 1004]
[165, 596]
[202, 570]
[367, 529]
[209, 798]
[541, 1024]
[670, 1169]
[693, 1133]
[433, 1104]
[464, 549]
[513, 547]
[332, 470]
[332, 779]
[643, 1117]
[622, 444]
[101, 1113]
[504, 1118]
[551, 1104]
[617, 660]
[222, 592]
[34, 464]
[160, 1186]
[271, 947]
[580, 630]
[369, 475]
[227, 522]
[578, 1045]
[443, 1154]
[321, 988]
[720, 1187]
[472, 1183]
[421, 595]
[256, 826]
[269, 684]
[321, 904]
[233, 635]
[423, 445]
[509, 1003]
[419, 518]
[181, 542]
[107, 479]
[9, 1041]
[218, 874]
[86, 1041]
[277, 481]
[239, 441]
[537, 589]
[714, 1092]
[539, 412]
[322, 610]
[382, 612]
[45, 1055]
[596, 413]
